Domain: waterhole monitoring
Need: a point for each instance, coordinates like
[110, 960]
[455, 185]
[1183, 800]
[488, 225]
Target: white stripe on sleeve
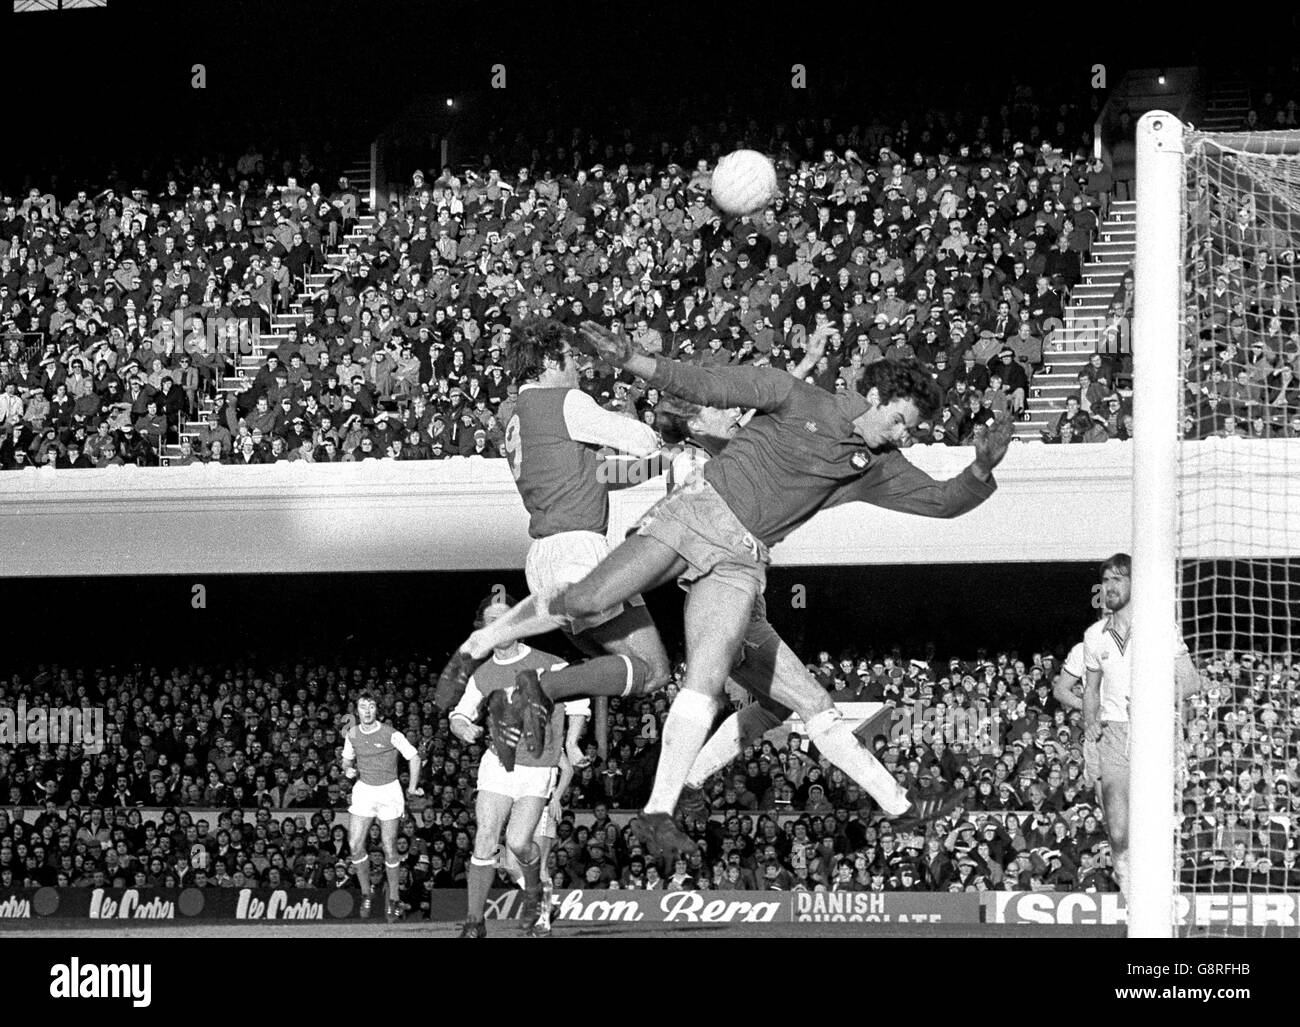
[400, 743]
[468, 707]
[587, 421]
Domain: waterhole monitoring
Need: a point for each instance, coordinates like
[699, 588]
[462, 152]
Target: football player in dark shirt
[801, 448]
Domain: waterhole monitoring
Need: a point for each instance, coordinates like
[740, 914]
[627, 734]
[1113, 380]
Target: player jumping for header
[370, 751]
[553, 445]
[768, 669]
[800, 449]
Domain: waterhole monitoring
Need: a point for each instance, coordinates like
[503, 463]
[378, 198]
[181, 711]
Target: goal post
[1213, 804]
[1156, 417]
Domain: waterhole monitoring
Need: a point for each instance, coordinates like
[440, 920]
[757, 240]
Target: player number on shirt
[514, 447]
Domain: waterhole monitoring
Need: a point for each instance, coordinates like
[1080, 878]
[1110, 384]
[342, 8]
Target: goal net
[1228, 485]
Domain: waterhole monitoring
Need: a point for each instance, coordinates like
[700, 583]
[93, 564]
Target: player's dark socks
[603, 675]
[478, 881]
[532, 871]
[362, 868]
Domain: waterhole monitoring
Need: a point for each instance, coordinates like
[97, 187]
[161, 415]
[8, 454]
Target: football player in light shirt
[1108, 689]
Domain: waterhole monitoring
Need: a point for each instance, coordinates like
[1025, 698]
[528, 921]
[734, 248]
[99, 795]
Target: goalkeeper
[803, 448]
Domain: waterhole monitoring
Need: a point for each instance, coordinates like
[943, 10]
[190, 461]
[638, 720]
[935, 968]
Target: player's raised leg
[631, 636]
[744, 728]
[717, 614]
[637, 565]
[793, 686]
[770, 669]
[753, 672]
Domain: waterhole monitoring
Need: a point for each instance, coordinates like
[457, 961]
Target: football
[743, 182]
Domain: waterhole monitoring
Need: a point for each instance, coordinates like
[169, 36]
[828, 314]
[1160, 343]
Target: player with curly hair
[802, 447]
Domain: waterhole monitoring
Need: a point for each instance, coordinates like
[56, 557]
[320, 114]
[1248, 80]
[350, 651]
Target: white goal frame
[1156, 329]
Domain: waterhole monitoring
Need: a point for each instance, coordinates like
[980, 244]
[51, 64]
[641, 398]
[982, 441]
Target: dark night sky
[111, 84]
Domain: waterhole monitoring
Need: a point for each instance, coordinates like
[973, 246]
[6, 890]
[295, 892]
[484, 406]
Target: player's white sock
[832, 736]
[685, 730]
[725, 745]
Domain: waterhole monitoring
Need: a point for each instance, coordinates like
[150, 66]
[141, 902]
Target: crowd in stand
[261, 746]
[1274, 106]
[955, 244]
[1241, 352]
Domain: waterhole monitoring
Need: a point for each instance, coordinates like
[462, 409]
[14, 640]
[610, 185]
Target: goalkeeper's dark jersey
[800, 453]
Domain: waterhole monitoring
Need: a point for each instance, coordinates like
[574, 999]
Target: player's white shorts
[384, 802]
[520, 783]
[1112, 753]
[563, 559]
